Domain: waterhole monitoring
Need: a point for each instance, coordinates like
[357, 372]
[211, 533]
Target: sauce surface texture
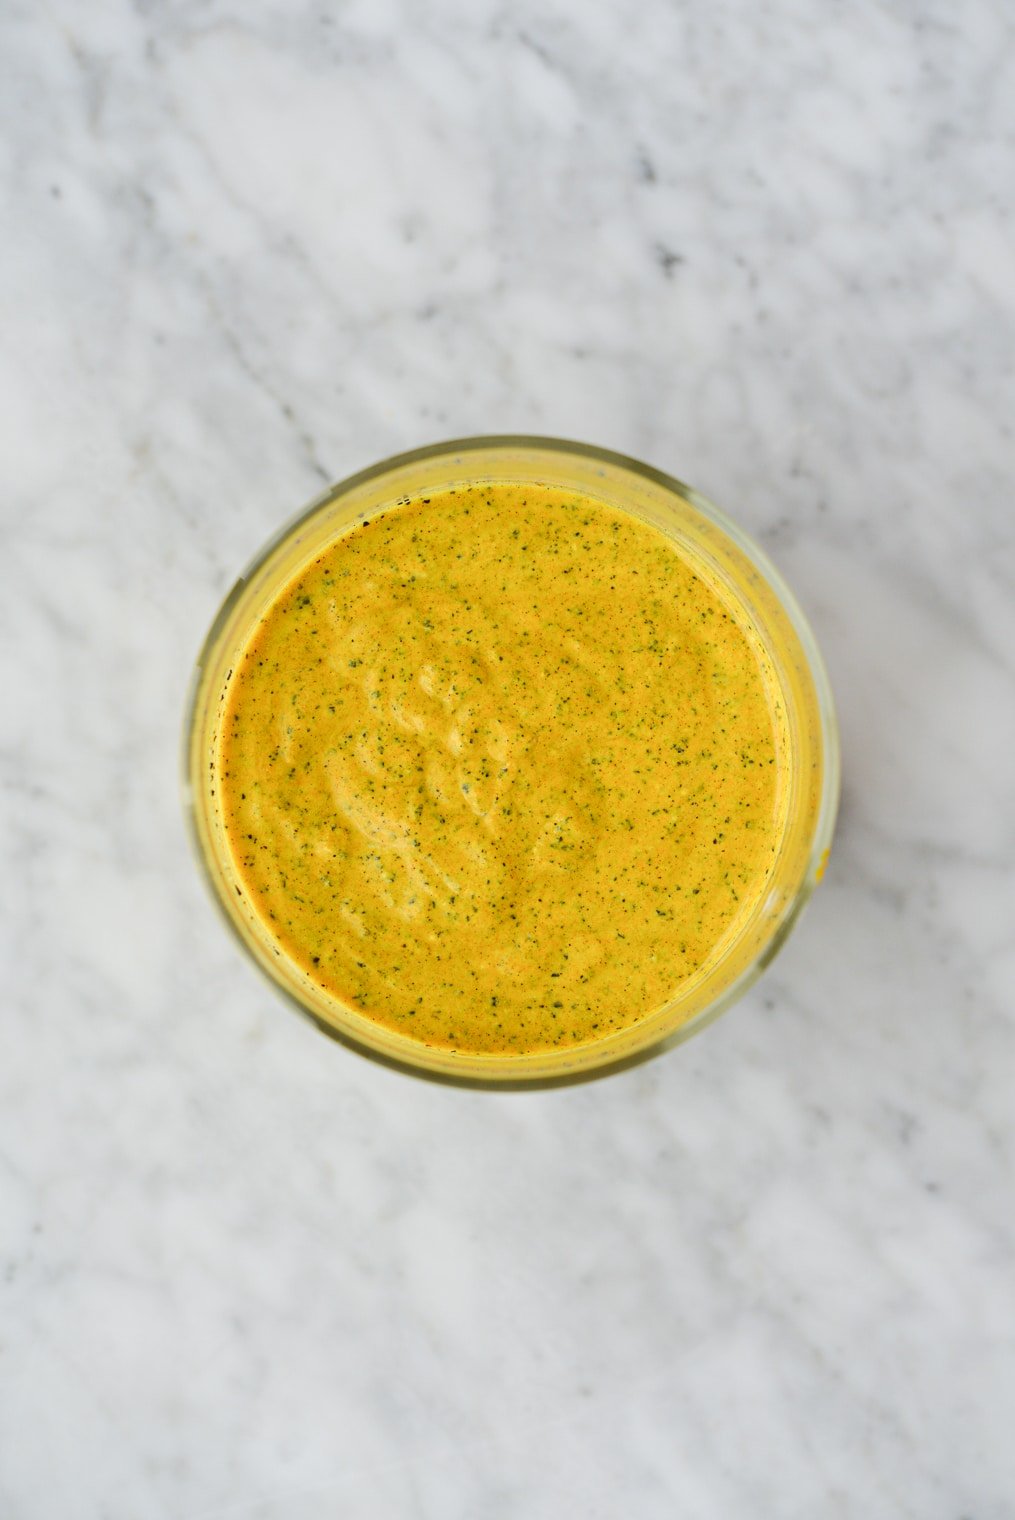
[500, 770]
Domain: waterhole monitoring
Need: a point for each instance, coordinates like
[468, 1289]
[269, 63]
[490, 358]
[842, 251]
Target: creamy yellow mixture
[500, 770]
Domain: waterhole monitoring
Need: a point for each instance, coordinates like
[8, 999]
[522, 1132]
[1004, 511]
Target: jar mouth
[710, 538]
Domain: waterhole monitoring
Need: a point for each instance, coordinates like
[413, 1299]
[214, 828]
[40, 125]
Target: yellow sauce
[501, 769]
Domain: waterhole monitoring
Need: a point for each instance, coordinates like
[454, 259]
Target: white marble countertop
[246, 1275]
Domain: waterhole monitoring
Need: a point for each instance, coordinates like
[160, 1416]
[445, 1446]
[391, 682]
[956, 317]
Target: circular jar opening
[511, 761]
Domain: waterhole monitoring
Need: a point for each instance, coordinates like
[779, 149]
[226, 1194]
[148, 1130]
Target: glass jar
[717, 549]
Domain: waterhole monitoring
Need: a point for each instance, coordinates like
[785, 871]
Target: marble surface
[245, 1275]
